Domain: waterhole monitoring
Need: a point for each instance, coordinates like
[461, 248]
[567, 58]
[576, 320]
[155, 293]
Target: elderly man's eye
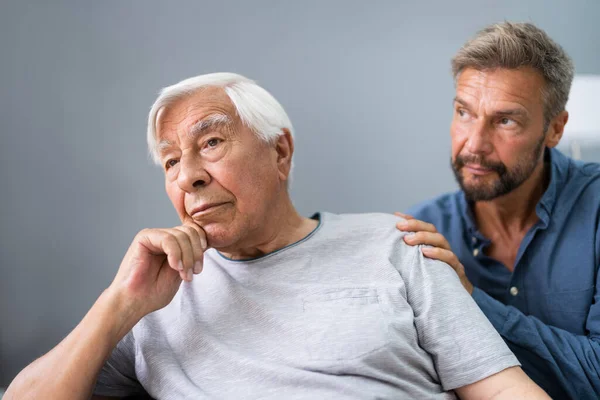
[171, 163]
[213, 142]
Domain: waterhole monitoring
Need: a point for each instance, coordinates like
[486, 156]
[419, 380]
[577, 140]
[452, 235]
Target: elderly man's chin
[220, 236]
[220, 232]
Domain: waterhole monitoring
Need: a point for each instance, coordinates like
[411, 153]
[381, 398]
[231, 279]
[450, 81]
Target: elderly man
[523, 232]
[284, 307]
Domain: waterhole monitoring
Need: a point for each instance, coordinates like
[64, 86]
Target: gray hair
[514, 45]
[256, 107]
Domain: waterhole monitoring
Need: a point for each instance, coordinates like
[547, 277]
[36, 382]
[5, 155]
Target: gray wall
[366, 84]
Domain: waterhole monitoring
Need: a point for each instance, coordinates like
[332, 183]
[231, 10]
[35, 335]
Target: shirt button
[476, 252]
[474, 239]
[514, 291]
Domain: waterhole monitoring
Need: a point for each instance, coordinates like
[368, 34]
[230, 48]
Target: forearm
[573, 360]
[527, 390]
[511, 383]
[70, 369]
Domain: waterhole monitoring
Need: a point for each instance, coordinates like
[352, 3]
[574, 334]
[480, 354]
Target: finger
[445, 256]
[415, 225]
[197, 247]
[203, 242]
[174, 256]
[201, 234]
[157, 242]
[187, 253]
[170, 274]
[427, 238]
[191, 223]
[405, 216]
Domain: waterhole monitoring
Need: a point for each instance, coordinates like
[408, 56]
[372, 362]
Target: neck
[283, 227]
[515, 211]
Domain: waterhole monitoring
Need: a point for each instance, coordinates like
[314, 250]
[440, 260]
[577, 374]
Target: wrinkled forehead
[181, 115]
[523, 86]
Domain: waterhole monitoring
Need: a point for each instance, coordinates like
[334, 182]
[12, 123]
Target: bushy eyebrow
[511, 113]
[207, 123]
[460, 101]
[500, 113]
[200, 127]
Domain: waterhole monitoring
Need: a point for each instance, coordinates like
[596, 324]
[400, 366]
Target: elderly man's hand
[155, 264]
[426, 234]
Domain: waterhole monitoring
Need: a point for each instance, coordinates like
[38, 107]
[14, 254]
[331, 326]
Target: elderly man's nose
[192, 176]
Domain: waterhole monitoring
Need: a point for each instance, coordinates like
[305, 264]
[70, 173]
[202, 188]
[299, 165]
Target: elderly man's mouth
[206, 209]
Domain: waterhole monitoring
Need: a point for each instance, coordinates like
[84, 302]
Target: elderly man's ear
[285, 149]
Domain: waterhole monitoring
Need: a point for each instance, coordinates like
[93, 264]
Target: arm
[467, 352]
[512, 383]
[573, 359]
[147, 280]
[70, 369]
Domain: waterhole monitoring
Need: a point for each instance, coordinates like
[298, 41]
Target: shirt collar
[559, 166]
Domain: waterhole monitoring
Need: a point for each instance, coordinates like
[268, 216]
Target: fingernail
[203, 243]
[180, 265]
[198, 267]
[190, 275]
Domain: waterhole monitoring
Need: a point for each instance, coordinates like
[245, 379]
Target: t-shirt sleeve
[464, 345]
[117, 377]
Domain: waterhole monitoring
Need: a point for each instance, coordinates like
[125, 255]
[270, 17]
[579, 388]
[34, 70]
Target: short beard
[508, 180]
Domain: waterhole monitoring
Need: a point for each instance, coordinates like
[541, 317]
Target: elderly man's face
[219, 174]
[497, 131]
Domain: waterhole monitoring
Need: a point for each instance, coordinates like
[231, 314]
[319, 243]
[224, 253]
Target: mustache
[462, 160]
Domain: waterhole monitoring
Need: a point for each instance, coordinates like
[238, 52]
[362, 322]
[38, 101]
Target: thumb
[405, 216]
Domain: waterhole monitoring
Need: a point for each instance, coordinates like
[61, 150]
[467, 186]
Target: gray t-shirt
[349, 312]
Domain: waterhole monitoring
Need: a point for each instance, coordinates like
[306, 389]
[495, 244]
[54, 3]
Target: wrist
[121, 313]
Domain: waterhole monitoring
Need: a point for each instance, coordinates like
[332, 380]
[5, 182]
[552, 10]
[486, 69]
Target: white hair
[256, 107]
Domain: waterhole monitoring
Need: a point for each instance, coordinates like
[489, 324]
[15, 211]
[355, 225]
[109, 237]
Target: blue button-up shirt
[548, 308]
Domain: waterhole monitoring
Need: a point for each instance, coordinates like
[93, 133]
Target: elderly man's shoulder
[365, 225]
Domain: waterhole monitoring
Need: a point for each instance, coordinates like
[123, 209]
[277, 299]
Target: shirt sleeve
[117, 377]
[573, 359]
[464, 346]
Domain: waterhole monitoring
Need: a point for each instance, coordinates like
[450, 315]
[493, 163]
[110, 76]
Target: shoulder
[589, 175]
[373, 233]
[583, 180]
[575, 173]
[591, 169]
[372, 224]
